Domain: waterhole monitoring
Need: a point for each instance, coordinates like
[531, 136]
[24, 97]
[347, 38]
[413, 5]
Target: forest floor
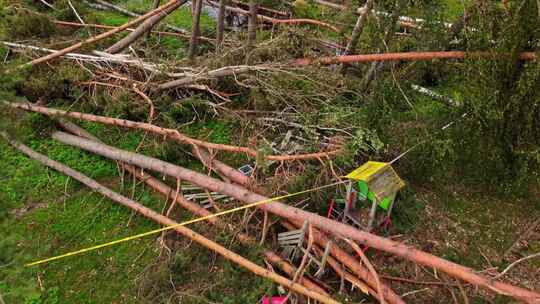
[44, 213]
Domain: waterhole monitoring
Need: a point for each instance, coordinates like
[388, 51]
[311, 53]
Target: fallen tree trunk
[144, 27]
[163, 220]
[321, 240]
[96, 60]
[108, 27]
[220, 27]
[278, 21]
[295, 214]
[408, 56]
[194, 208]
[195, 28]
[157, 185]
[174, 134]
[132, 14]
[99, 37]
[350, 262]
[252, 23]
[358, 28]
[148, 179]
[220, 72]
[291, 270]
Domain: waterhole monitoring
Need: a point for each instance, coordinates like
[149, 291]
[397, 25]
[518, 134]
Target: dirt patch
[20, 212]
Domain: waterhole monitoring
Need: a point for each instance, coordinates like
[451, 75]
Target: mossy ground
[43, 213]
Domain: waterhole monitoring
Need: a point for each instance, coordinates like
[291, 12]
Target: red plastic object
[332, 202]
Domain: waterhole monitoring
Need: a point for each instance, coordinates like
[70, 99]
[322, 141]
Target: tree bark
[194, 208]
[132, 14]
[220, 25]
[408, 56]
[352, 263]
[154, 6]
[358, 28]
[195, 29]
[163, 220]
[319, 238]
[252, 23]
[101, 26]
[221, 72]
[157, 185]
[295, 214]
[148, 179]
[291, 270]
[174, 134]
[276, 21]
[388, 36]
[143, 28]
[98, 37]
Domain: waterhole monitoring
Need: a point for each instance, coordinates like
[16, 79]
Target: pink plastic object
[275, 300]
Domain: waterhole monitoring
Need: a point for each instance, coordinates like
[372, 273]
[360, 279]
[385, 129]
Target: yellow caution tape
[138, 236]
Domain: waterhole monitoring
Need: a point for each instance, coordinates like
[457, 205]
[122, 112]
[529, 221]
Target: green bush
[25, 24]
[45, 83]
[502, 96]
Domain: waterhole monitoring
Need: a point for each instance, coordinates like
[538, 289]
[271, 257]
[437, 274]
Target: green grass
[111, 18]
[454, 8]
[69, 217]
[72, 218]
[181, 17]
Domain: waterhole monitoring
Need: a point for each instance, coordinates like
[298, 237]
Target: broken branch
[296, 214]
[144, 27]
[290, 270]
[166, 132]
[163, 220]
[99, 37]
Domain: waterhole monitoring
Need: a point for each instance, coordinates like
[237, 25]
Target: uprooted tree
[295, 95]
